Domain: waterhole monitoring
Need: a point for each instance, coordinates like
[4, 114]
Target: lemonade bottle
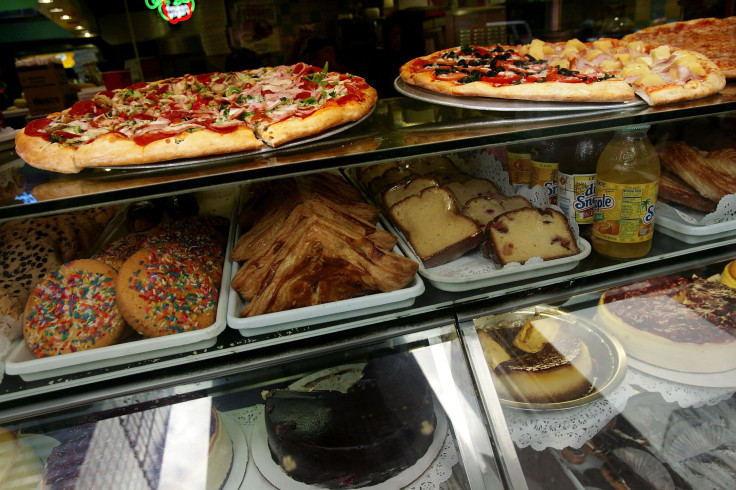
[626, 185]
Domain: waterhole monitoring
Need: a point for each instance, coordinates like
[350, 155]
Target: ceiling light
[45, 1]
[79, 28]
[87, 34]
[56, 10]
[65, 17]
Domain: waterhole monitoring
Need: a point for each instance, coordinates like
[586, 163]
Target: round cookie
[73, 308]
[161, 294]
[210, 260]
[118, 251]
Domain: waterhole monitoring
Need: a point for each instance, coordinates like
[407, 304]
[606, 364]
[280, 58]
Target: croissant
[707, 175]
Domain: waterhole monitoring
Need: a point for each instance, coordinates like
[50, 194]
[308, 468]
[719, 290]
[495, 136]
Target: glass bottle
[518, 161]
[544, 166]
[626, 185]
[576, 175]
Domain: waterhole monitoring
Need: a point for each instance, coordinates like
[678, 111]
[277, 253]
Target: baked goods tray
[22, 362]
[685, 224]
[311, 315]
[474, 271]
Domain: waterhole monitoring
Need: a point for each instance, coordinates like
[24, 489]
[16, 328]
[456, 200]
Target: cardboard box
[53, 98]
[41, 75]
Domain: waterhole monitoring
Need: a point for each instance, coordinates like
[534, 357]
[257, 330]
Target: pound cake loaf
[520, 235]
[434, 227]
[468, 188]
[353, 436]
[405, 188]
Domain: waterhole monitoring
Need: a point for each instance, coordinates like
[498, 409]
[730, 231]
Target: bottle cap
[636, 127]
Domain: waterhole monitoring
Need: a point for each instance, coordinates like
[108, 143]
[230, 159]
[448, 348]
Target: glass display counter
[490, 441]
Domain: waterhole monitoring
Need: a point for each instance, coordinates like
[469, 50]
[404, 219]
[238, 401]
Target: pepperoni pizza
[195, 116]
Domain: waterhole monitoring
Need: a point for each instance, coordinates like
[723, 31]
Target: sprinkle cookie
[73, 308]
[162, 294]
[118, 251]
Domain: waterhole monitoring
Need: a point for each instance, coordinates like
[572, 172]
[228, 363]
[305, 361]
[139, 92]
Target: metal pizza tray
[508, 105]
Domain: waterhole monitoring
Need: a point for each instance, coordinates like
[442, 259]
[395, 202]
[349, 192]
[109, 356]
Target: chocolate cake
[366, 434]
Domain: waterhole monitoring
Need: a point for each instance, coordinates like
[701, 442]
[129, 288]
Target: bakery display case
[629, 420]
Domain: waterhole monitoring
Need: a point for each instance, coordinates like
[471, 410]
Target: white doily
[682, 394]
[559, 429]
[438, 472]
[726, 211]
[573, 427]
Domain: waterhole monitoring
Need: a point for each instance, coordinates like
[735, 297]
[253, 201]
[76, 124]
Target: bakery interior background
[370, 38]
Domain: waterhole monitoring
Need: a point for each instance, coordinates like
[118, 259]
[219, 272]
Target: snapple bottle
[576, 177]
[626, 185]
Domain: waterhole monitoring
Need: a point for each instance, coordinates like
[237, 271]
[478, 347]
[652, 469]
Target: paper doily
[438, 472]
[573, 427]
[726, 211]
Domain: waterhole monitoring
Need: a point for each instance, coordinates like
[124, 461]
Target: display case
[487, 441]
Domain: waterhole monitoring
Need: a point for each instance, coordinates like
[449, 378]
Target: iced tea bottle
[626, 185]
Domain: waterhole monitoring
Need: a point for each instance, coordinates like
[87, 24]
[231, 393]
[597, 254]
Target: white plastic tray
[22, 362]
[310, 315]
[473, 270]
[685, 224]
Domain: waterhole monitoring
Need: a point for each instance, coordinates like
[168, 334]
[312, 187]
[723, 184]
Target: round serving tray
[609, 358]
[507, 105]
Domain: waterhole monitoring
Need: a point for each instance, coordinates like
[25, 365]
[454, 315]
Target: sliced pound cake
[405, 188]
[465, 190]
[484, 209]
[517, 236]
[434, 227]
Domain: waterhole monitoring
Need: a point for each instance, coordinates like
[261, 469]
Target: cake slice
[485, 208]
[519, 235]
[405, 188]
[434, 227]
[464, 190]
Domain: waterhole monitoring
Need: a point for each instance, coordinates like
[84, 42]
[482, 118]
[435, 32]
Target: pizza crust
[114, 149]
[55, 157]
[323, 119]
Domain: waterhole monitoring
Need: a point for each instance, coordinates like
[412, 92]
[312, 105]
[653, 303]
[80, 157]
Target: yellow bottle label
[519, 167]
[545, 175]
[624, 213]
[576, 196]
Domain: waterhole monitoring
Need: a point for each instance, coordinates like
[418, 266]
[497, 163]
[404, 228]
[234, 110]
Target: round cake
[542, 362]
[682, 324]
[381, 424]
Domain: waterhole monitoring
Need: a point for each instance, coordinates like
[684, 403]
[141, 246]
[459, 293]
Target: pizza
[195, 116]
[605, 70]
[712, 37]
[665, 320]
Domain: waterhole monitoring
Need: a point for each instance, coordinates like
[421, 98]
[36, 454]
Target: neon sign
[172, 10]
